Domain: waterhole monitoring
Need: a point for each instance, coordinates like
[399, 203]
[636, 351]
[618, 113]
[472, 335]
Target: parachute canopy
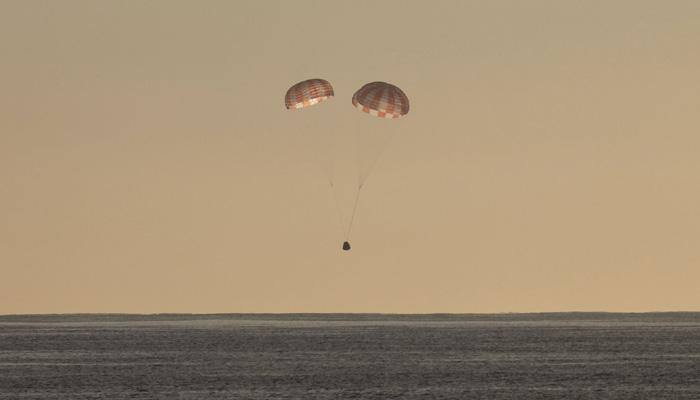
[381, 99]
[307, 93]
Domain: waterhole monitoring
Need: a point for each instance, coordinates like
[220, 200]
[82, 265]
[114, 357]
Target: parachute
[308, 93]
[382, 100]
[378, 99]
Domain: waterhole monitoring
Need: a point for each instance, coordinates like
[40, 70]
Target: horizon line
[312, 313]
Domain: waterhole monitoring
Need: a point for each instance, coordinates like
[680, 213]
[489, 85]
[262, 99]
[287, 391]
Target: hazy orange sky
[549, 161]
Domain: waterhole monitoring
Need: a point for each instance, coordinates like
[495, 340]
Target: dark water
[527, 356]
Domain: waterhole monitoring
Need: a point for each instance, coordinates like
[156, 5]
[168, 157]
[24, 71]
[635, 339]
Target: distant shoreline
[534, 316]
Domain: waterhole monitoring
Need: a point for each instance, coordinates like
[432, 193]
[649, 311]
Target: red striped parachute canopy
[307, 93]
[381, 99]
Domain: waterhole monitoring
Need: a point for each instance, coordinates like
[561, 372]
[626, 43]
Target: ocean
[351, 356]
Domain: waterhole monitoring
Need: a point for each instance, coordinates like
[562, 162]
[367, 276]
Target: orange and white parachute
[307, 93]
[381, 99]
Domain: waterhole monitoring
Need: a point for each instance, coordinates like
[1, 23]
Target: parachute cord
[354, 209]
[337, 208]
[362, 178]
[309, 128]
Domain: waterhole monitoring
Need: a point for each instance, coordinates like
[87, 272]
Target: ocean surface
[351, 356]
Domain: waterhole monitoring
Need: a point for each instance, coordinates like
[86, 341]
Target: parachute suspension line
[311, 130]
[354, 210]
[311, 133]
[363, 177]
[330, 174]
[363, 174]
[337, 209]
[329, 166]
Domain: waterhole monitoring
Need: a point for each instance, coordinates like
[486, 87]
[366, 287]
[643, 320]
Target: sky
[548, 162]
